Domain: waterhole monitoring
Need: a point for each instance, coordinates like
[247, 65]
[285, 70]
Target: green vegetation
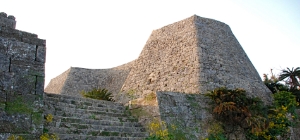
[99, 94]
[18, 106]
[159, 131]
[131, 94]
[288, 76]
[47, 136]
[150, 97]
[93, 116]
[234, 110]
[13, 137]
[49, 118]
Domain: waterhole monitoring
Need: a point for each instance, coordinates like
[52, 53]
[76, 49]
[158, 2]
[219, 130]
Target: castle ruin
[179, 63]
[191, 56]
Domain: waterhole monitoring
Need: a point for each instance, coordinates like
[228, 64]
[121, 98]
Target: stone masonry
[22, 72]
[75, 80]
[178, 62]
[194, 55]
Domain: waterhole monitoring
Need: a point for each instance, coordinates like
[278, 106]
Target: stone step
[87, 137]
[110, 128]
[67, 106]
[76, 118]
[101, 131]
[84, 104]
[57, 122]
[73, 111]
[102, 121]
[96, 115]
[80, 100]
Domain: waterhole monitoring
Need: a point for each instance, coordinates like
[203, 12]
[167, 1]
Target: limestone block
[23, 84]
[7, 21]
[17, 123]
[41, 54]
[6, 80]
[22, 51]
[32, 68]
[4, 62]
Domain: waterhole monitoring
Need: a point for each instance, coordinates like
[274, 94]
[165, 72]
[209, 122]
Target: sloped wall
[56, 84]
[194, 55]
[168, 62]
[223, 62]
[22, 72]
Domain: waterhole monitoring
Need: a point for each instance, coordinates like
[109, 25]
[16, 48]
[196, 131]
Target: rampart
[75, 80]
[22, 72]
[178, 62]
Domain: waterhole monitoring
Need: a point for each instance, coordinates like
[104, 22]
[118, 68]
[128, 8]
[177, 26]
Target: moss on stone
[18, 106]
[37, 117]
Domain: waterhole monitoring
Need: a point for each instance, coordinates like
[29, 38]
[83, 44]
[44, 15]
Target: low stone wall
[22, 72]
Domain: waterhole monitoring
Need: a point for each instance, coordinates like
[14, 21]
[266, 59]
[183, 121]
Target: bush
[234, 109]
[99, 94]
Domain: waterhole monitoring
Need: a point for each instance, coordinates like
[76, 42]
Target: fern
[99, 94]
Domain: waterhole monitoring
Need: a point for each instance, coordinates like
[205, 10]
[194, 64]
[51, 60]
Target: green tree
[273, 83]
[292, 75]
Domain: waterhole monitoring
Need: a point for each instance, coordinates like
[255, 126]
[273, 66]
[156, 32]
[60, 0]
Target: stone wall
[22, 59]
[194, 55]
[168, 62]
[223, 62]
[56, 84]
[188, 57]
[188, 112]
[75, 80]
[295, 131]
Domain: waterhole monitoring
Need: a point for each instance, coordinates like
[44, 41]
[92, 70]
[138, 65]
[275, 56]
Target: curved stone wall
[75, 80]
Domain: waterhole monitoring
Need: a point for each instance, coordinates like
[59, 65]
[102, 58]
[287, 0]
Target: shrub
[286, 99]
[233, 108]
[99, 94]
[159, 131]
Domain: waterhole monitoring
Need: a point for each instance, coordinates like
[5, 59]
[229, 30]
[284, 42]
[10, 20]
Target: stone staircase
[76, 118]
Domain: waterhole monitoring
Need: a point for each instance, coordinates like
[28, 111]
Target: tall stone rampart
[223, 62]
[194, 55]
[180, 60]
[22, 72]
[168, 62]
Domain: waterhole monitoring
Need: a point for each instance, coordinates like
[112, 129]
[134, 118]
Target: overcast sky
[104, 34]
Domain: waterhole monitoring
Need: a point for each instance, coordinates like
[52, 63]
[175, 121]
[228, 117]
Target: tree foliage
[292, 76]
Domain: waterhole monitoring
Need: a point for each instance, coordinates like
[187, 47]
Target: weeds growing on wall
[235, 110]
[49, 118]
[47, 136]
[13, 137]
[99, 94]
[160, 130]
